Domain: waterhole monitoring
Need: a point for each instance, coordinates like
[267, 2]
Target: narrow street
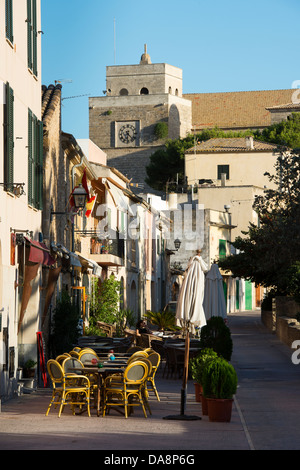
[265, 416]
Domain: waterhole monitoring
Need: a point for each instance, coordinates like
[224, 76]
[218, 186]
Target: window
[123, 92]
[222, 249]
[223, 169]
[9, 20]
[8, 138]
[35, 161]
[31, 36]
[144, 91]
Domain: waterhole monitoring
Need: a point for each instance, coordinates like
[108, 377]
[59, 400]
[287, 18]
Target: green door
[237, 294]
[248, 295]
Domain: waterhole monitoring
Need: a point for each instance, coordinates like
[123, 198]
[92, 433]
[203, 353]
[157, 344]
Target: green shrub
[198, 363]
[161, 130]
[65, 325]
[216, 335]
[219, 379]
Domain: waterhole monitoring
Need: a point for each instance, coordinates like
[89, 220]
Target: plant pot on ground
[219, 387]
[29, 368]
[196, 367]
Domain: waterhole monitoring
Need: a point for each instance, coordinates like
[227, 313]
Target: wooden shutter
[9, 20]
[40, 161]
[223, 169]
[9, 139]
[34, 38]
[30, 158]
[222, 249]
[29, 35]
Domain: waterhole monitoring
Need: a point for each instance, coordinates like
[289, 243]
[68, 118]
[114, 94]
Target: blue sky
[220, 45]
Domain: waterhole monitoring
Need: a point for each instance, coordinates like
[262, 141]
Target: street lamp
[79, 197]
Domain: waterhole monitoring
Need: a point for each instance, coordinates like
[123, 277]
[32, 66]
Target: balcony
[108, 252]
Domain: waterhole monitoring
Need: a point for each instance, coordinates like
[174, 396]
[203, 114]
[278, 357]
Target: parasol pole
[182, 416]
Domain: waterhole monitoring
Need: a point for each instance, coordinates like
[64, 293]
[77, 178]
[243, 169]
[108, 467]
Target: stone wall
[282, 320]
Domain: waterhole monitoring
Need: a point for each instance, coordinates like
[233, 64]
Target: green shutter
[34, 38]
[30, 159]
[9, 139]
[223, 169]
[29, 35]
[222, 249]
[9, 20]
[40, 165]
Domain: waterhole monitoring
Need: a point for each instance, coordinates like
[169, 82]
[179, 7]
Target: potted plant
[197, 365]
[219, 386]
[29, 368]
[217, 335]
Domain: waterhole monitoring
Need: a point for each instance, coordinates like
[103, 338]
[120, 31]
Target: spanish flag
[90, 206]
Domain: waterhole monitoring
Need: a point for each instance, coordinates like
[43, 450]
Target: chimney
[249, 142]
[223, 179]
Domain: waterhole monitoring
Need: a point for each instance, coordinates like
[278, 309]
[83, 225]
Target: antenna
[114, 41]
[63, 80]
[77, 96]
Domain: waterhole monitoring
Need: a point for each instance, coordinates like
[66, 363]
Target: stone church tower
[123, 122]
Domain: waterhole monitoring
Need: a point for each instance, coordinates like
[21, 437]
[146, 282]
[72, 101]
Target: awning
[62, 252]
[91, 264]
[74, 260]
[39, 253]
[120, 200]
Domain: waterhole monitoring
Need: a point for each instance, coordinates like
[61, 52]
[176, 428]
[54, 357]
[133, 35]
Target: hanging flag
[84, 184]
[90, 206]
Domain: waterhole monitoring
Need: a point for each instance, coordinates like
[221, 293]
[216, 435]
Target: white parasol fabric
[214, 300]
[190, 311]
[190, 299]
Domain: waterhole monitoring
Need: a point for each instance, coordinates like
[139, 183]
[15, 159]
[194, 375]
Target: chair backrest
[149, 350]
[87, 350]
[136, 372]
[145, 361]
[71, 363]
[60, 359]
[74, 353]
[77, 349]
[87, 356]
[139, 353]
[55, 371]
[133, 349]
[154, 358]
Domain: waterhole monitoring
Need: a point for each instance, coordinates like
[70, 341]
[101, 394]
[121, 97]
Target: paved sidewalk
[266, 412]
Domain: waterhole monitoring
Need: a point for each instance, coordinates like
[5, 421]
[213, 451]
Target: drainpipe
[73, 242]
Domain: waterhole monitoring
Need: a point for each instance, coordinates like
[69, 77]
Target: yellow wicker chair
[129, 388]
[87, 356]
[154, 358]
[76, 393]
[74, 353]
[60, 359]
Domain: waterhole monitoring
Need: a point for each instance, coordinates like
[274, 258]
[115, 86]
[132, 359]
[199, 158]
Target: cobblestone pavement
[265, 414]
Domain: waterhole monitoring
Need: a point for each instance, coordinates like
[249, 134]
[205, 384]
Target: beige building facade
[21, 184]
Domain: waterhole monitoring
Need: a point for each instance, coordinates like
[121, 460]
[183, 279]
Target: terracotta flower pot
[198, 391]
[219, 409]
[204, 405]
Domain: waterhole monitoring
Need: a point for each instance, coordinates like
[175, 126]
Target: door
[237, 294]
[248, 295]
